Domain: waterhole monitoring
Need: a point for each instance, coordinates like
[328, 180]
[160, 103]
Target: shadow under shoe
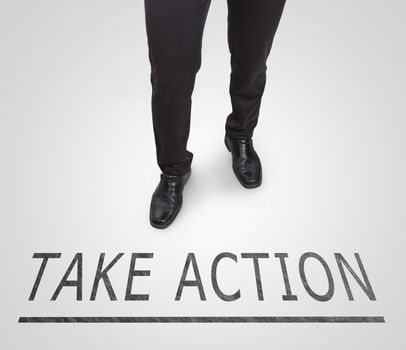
[245, 162]
[167, 199]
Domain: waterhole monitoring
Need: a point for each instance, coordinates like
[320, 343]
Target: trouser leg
[251, 28]
[174, 31]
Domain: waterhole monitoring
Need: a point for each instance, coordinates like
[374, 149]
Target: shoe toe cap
[249, 173]
[163, 210]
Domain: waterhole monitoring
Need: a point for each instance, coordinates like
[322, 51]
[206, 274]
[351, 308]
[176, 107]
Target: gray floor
[78, 169]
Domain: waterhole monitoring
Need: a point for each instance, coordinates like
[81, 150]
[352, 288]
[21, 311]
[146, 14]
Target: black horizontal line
[205, 319]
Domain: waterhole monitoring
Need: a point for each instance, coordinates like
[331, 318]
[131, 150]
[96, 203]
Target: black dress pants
[174, 31]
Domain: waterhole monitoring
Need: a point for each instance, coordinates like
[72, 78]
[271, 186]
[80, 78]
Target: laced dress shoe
[245, 162]
[167, 199]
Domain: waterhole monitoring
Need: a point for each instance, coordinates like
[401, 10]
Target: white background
[78, 169]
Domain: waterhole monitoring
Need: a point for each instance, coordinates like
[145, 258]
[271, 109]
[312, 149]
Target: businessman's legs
[174, 31]
[251, 28]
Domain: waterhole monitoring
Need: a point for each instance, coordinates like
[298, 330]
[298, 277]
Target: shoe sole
[241, 182]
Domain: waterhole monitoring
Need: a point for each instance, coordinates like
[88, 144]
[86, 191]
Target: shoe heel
[226, 143]
[188, 177]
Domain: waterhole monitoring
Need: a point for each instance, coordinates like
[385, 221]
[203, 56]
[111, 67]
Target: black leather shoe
[246, 163]
[167, 199]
